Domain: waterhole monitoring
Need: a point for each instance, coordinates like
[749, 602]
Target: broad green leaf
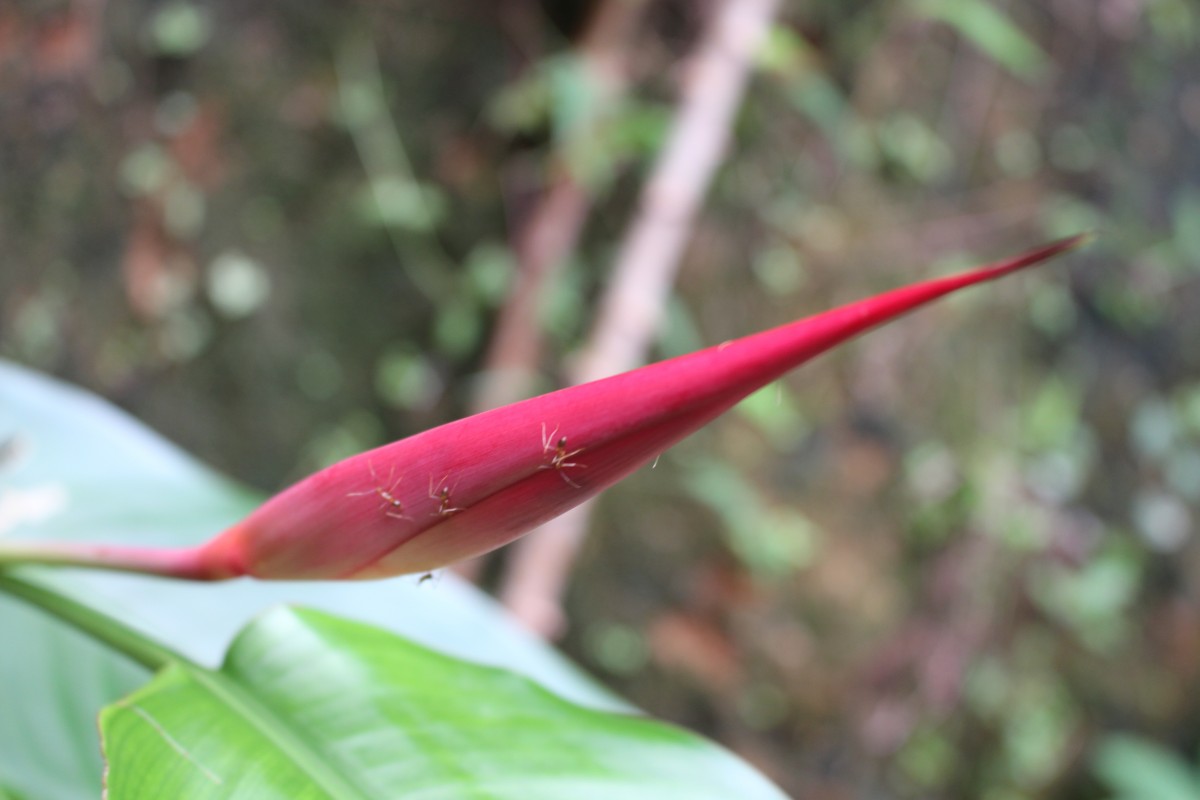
[308, 705]
[6, 794]
[73, 467]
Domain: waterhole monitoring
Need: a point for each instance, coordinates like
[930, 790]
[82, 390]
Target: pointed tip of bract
[997, 269]
[1069, 243]
[1084, 239]
[1039, 254]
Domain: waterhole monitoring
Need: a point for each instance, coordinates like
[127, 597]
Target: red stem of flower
[190, 563]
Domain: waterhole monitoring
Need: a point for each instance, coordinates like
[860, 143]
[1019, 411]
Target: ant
[559, 460]
[388, 496]
[442, 495]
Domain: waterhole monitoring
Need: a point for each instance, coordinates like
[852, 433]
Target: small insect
[560, 455]
[428, 576]
[391, 504]
[442, 495]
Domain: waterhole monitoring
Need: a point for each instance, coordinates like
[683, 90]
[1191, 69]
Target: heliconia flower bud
[470, 486]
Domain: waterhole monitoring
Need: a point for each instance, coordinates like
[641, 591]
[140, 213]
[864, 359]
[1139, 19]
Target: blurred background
[954, 559]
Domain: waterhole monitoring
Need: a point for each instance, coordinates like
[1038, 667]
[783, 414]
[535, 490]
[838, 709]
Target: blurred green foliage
[1137, 769]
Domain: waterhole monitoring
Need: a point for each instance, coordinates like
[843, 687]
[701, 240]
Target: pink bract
[470, 486]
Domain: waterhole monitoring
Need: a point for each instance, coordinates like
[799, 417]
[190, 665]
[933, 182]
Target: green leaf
[7, 794]
[1139, 769]
[991, 31]
[73, 467]
[308, 705]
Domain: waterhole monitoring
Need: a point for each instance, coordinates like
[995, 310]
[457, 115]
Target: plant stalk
[105, 629]
[190, 563]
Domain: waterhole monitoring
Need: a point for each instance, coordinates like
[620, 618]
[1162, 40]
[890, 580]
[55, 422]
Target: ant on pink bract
[391, 504]
[559, 460]
[442, 496]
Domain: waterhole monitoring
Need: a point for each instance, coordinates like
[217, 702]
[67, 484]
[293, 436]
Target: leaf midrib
[308, 757]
